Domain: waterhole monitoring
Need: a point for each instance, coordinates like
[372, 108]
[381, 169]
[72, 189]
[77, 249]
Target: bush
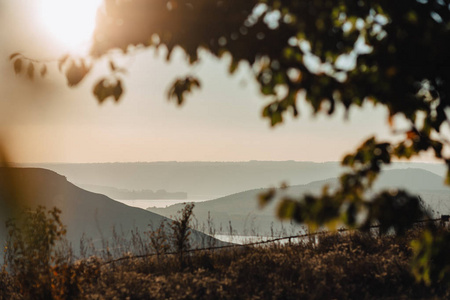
[32, 256]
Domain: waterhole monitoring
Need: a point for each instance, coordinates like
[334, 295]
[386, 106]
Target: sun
[70, 22]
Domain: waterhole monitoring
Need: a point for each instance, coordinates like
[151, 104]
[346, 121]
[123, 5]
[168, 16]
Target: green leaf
[182, 86]
[447, 177]
[267, 90]
[233, 66]
[265, 198]
[286, 209]
[276, 118]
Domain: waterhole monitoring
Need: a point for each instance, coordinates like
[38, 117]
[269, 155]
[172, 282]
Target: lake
[145, 203]
[247, 239]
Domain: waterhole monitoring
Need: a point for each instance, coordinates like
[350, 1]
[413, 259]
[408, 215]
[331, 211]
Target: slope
[241, 209]
[83, 212]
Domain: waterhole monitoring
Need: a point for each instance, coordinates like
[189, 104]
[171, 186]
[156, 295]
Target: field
[336, 266]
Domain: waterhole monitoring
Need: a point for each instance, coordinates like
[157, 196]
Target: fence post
[444, 219]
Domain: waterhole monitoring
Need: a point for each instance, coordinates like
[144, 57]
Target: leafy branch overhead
[182, 86]
[343, 52]
[75, 70]
[19, 60]
[104, 89]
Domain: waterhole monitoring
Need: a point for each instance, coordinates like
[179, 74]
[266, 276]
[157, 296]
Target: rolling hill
[205, 180]
[241, 209]
[200, 180]
[83, 212]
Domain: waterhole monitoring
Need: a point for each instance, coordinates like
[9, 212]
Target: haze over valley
[242, 211]
[206, 180]
[226, 194]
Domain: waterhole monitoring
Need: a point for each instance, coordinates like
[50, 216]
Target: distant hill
[246, 217]
[200, 180]
[124, 194]
[206, 180]
[413, 179]
[82, 211]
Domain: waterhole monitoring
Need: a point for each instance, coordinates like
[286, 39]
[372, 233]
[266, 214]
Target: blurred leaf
[76, 72]
[397, 210]
[101, 92]
[108, 88]
[18, 66]
[14, 55]
[118, 90]
[447, 177]
[30, 70]
[265, 198]
[43, 70]
[62, 61]
[112, 66]
[431, 260]
[182, 86]
[233, 66]
[287, 209]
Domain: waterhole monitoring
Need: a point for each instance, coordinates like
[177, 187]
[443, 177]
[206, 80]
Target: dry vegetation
[350, 266]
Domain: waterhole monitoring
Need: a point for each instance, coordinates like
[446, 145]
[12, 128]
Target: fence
[443, 219]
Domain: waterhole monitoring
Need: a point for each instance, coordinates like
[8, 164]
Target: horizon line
[204, 161]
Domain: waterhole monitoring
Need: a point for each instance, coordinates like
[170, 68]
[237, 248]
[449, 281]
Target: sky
[46, 121]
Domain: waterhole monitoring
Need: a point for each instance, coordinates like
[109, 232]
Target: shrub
[32, 256]
[181, 231]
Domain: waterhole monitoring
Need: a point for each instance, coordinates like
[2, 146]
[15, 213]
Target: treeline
[123, 194]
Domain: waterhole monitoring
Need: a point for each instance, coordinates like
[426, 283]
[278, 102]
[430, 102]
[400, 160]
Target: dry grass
[351, 266]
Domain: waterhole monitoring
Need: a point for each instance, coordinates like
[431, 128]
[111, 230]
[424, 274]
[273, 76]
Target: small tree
[181, 231]
[159, 241]
[31, 250]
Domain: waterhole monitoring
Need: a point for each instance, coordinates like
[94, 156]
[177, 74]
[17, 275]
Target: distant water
[145, 203]
[246, 239]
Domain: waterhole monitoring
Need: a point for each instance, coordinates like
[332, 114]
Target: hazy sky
[46, 121]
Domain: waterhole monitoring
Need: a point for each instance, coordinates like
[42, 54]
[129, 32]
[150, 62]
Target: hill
[241, 209]
[206, 180]
[83, 212]
[125, 194]
[200, 180]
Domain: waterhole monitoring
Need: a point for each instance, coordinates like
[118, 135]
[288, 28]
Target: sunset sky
[46, 121]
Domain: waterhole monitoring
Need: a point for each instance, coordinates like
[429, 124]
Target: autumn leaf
[30, 71]
[18, 66]
[118, 90]
[43, 70]
[100, 91]
[61, 61]
[14, 55]
[76, 73]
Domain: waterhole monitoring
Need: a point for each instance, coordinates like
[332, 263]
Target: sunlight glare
[70, 22]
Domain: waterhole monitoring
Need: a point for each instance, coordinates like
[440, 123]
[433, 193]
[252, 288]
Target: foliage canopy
[342, 52]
